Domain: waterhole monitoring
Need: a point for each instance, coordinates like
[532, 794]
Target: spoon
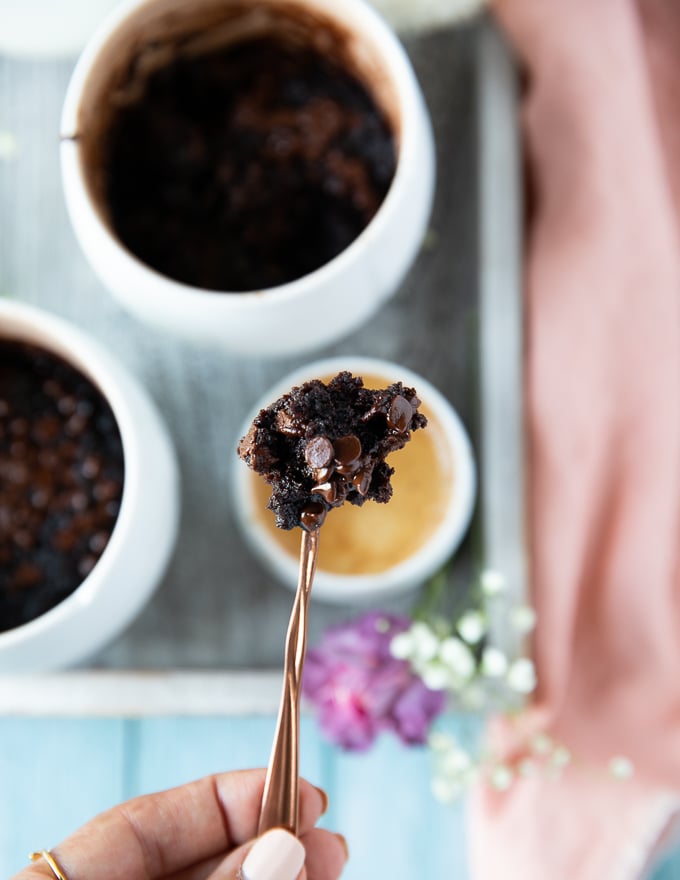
[280, 801]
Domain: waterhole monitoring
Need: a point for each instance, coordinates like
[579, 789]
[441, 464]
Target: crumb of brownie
[326, 443]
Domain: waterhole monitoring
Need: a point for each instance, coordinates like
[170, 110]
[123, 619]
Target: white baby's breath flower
[446, 790]
[501, 777]
[523, 619]
[455, 762]
[621, 767]
[435, 676]
[492, 582]
[521, 676]
[401, 646]
[541, 744]
[456, 655]
[471, 626]
[425, 642]
[561, 757]
[452, 667]
[455, 768]
[494, 663]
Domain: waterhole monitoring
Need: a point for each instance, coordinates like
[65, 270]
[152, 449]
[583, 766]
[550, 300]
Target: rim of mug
[166, 290]
[446, 538]
[25, 323]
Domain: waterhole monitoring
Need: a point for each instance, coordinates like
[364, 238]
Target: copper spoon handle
[280, 799]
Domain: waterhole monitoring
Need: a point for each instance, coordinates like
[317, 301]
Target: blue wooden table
[56, 774]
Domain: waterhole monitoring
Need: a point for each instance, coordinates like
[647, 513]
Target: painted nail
[277, 855]
[324, 799]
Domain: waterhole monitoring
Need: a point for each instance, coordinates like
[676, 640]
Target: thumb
[276, 855]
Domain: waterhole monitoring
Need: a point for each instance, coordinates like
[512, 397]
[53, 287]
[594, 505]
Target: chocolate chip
[319, 452]
[77, 423]
[86, 564]
[98, 542]
[67, 404]
[347, 454]
[90, 467]
[328, 491]
[78, 500]
[321, 475]
[400, 414]
[362, 481]
[58, 443]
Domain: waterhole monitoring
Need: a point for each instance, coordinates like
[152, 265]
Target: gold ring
[49, 858]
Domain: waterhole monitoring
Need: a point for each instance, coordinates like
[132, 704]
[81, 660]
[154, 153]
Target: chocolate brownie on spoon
[323, 444]
[318, 446]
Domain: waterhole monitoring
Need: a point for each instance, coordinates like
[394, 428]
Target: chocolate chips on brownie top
[323, 444]
[61, 480]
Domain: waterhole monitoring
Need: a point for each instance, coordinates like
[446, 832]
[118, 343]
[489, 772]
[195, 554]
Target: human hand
[201, 831]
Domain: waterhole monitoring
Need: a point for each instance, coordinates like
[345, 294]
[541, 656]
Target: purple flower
[359, 689]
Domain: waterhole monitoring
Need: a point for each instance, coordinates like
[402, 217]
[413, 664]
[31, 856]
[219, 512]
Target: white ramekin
[415, 570]
[143, 537]
[317, 308]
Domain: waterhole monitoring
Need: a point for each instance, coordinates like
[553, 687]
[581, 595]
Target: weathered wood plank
[55, 774]
[164, 752]
[130, 694]
[502, 448]
[395, 828]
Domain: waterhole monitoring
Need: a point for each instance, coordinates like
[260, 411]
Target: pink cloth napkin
[601, 115]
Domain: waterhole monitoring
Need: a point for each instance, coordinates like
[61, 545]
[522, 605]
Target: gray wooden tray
[216, 625]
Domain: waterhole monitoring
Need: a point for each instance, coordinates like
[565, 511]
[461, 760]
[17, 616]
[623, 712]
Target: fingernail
[343, 844]
[277, 855]
[324, 799]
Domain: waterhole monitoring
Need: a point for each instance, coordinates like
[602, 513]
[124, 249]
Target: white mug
[317, 308]
[143, 536]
